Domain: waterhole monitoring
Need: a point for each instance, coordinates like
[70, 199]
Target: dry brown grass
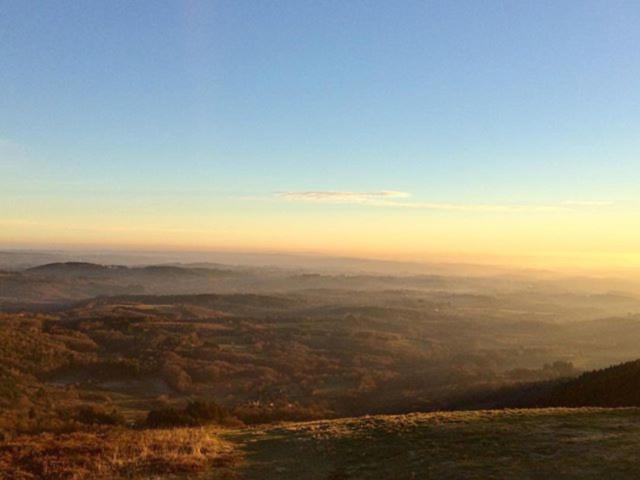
[116, 453]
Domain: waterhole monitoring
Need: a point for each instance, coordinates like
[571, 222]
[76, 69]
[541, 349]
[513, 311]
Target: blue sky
[116, 106]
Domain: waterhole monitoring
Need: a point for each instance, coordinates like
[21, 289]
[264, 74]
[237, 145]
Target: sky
[502, 132]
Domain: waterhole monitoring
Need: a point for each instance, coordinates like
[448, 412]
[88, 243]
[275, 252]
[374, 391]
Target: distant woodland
[84, 344]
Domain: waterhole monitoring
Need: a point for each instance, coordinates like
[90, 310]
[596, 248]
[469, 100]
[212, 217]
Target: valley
[241, 372]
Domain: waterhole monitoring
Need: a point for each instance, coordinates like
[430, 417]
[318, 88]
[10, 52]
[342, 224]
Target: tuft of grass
[116, 453]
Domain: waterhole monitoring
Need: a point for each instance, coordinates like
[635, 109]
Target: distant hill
[86, 268]
[63, 283]
[74, 268]
[209, 300]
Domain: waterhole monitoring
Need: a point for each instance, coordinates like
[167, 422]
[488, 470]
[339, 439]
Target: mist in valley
[281, 342]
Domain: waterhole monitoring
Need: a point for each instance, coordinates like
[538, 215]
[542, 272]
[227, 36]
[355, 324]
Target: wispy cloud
[343, 197]
[588, 203]
[396, 199]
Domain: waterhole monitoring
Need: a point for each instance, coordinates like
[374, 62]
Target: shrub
[98, 416]
[194, 414]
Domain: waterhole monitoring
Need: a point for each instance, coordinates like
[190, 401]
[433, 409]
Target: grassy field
[586, 443]
[511, 444]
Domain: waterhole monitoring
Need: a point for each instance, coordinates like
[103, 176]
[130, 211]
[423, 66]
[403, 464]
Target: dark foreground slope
[615, 386]
[586, 443]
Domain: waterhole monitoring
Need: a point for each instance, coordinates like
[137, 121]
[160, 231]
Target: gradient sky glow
[470, 129]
